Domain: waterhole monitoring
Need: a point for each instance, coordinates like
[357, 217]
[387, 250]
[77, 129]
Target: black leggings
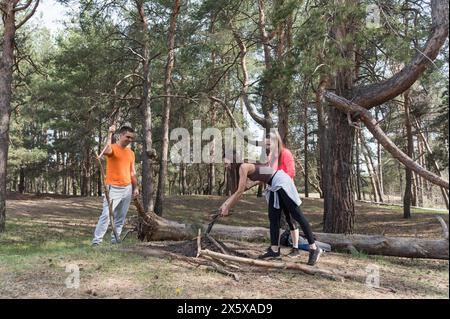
[289, 208]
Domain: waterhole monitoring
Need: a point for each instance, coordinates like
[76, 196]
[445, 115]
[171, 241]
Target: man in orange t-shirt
[121, 181]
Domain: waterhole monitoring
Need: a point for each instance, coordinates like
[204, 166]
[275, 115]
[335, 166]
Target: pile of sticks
[226, 260]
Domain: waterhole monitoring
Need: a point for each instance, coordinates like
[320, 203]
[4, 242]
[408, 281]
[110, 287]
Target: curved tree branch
[251, 109]
[23, 7]
[29, 15]
[378, 93]
[349, 107]
[234, 122]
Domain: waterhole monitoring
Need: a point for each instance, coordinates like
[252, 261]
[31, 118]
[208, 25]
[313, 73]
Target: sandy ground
[48, 235]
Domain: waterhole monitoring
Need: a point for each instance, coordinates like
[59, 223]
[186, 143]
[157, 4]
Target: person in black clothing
[280, 195]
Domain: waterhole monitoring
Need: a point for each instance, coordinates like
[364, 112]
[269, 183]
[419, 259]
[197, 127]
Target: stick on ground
[270, 264]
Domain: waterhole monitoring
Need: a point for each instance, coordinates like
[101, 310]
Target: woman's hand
[224, 210]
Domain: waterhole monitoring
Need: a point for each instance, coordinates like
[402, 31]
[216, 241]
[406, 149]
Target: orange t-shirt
[118, 166]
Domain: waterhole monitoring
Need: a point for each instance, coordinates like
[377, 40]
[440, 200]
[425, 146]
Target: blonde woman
[280, 158]
[281, 195]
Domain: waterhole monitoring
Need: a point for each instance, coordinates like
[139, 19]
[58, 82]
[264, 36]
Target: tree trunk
[435, 164]
[339, 201]
[166, 114]
[324, 156]
[232, 179]
[200, 178]
[184, 179]
[380, 170]
[6, 71]
[222, 183]
[172, 182]
[99, 175]
[305, 128]
[58, 170]
[371, 175]
[85, 170]
[15, 182]
[339, 218]
[358, 168]
[21, 180]
[212, 166]
[281, 70]
[372, 171]
[315, 185]
[420, 182]
[407, 199]
[148, 153]
[73, 174]
[379, 164]
[66, 174]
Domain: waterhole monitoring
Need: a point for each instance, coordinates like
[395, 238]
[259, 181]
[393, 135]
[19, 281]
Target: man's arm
[134, 180]
[108, 149]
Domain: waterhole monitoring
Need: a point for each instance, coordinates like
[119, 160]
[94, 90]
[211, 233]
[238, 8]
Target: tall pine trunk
[6, 71]
[146, 113]
[373, 172]
[372, 177]
[212, 167]
[433, 161]
[358, 169]
[305, 126]
[379, 165]
[407, 198]
[22, 180]
[421, 181]
[99, 176]
[324, 172]
[339, 209]
[166, 114]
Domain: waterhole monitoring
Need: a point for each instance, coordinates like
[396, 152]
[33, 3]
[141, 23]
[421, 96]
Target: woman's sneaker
[270, 254]
[295, 252]
[314, 255]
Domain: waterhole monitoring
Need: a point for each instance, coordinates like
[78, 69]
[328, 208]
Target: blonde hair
[274, 135]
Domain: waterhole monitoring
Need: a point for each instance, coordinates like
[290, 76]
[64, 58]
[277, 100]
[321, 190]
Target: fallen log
[158, 228]
[390, 246]
[387, 246]
[153, 227]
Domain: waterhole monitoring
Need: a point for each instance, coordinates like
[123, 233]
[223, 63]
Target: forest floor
[47, 234]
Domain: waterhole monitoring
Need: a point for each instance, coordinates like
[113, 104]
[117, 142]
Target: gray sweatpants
[121, 198]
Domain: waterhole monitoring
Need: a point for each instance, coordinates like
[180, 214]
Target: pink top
[287, 163]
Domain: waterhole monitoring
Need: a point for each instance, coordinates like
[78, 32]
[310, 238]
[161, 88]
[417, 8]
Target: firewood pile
[205, 251]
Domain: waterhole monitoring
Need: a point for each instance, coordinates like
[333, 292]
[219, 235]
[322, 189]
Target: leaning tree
[15, 14]
[351, 102]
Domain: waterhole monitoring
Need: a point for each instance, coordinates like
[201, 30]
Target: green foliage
[22, 157]
[66, 89]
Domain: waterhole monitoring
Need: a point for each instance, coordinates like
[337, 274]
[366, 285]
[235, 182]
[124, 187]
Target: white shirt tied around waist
[284, 181]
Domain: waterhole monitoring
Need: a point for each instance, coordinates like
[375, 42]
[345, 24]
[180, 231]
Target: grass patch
[37, 246]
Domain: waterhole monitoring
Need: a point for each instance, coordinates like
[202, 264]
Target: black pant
[290, 208]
